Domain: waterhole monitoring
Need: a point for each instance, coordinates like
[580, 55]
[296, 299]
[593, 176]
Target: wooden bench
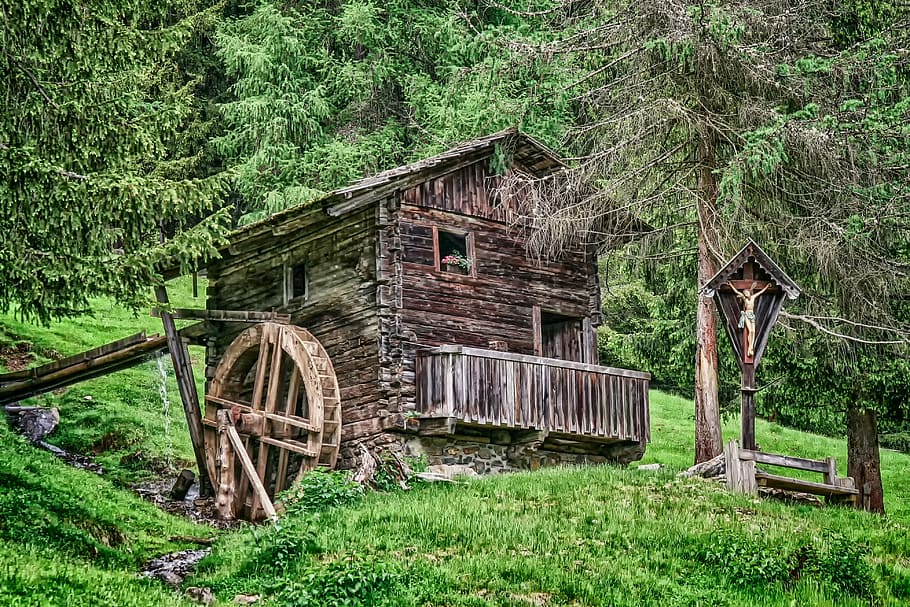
[743, 478]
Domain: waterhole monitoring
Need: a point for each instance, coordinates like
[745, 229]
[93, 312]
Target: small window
[454, 252]
[295, 282]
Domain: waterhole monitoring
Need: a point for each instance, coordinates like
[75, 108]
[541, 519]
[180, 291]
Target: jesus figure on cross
[747, 316]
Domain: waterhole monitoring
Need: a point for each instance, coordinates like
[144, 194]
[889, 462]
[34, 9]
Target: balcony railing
[481, 387]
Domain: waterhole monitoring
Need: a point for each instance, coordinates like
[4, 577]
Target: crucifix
[749, 293]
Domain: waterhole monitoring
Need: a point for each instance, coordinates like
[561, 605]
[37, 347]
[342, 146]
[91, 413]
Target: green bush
[351, 581]
[279, 547]
[319, 490]
[837, 564]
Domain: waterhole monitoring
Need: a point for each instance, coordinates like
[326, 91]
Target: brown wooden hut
[492, 364]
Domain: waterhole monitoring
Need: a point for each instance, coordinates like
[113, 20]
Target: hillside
[558, 537]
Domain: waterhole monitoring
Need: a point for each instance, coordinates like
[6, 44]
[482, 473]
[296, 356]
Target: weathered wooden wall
[494, 302]
[339, 310]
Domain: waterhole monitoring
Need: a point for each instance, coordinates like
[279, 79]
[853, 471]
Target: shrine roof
[755, 252]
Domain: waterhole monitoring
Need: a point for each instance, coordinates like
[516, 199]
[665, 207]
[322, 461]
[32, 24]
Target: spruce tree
[100, 150]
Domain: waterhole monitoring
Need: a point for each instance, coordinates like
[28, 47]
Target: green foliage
[118, 419]
[278, 547]
[100, 141]
[319, 490]
[750, 562]
[351, 581]
[74, 514]
[324, 94]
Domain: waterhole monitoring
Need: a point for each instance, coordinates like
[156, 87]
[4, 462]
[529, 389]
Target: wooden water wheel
[274, 404]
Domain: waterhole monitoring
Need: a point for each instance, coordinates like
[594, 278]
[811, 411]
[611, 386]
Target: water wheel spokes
[279, 387]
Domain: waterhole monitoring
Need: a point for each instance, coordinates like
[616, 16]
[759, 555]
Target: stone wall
[488, 457]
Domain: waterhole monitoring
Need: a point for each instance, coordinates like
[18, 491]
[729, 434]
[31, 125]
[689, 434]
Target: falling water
[166, 408]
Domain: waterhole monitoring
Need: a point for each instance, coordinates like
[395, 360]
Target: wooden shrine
[749, 292]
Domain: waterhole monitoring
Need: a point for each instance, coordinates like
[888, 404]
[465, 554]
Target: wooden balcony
[473, 387]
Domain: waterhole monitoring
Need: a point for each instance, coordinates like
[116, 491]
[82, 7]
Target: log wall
[339, 308]
[421, 306]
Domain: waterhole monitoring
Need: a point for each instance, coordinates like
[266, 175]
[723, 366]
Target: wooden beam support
[226, 315]
[183, 370]
[250, 471]
[225, 498]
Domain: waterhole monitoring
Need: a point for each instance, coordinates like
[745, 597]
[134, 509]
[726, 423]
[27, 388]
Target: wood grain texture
[502, 390]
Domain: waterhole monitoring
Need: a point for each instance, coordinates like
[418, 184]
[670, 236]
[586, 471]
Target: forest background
[150, 129]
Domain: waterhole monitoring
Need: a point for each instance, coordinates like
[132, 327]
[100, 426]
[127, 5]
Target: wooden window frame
[470, 250]
[288, 271]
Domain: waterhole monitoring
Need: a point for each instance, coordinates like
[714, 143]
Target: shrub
[350, 581]
[319, 490]
[279, 547]
[837, 564]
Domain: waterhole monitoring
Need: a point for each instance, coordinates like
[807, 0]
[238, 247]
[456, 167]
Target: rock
[246, 599]
[709, 469]
[201, 595]
[34, 423]
[650, 467]
[170, 578]
[173, 568]
[431, 477]
[452, 470]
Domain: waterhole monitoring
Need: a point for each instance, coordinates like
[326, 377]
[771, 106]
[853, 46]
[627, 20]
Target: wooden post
[740, 473]
[747, 428]
[250, 471]
[225, 498]
[183, 370]
[831, 472]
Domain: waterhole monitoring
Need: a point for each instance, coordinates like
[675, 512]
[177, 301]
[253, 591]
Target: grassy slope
[118, 417]
[596, 536]
[69, 537]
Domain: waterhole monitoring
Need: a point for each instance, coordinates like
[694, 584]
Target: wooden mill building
[490, 364]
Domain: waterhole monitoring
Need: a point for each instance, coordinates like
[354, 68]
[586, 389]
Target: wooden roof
[751, 249]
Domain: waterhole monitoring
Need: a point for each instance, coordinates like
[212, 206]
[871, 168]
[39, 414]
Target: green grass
[590, 536]
[673, 422]
[119, 418]
[68, 534]
[557, 537]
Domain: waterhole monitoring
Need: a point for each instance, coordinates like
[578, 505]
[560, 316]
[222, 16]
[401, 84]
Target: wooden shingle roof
[751, 249]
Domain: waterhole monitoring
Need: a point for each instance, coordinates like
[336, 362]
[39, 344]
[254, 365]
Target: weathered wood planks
[507, 390]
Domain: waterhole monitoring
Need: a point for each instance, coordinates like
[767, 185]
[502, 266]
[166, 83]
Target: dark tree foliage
[101, 140]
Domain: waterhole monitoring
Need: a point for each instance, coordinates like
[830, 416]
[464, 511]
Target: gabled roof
[751, 249]
[527, 150]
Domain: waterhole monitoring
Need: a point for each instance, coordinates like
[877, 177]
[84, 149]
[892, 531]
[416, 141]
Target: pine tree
[716, 122]
[325, 93]
[99, 137]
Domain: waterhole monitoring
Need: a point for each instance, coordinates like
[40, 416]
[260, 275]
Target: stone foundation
[493, 452]
[495, 458]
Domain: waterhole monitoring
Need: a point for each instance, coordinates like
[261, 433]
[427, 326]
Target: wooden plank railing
[742, 476]
[506, 390]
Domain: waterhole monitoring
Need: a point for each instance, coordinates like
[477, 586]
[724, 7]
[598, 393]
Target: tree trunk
[863, 461]
[708, 441]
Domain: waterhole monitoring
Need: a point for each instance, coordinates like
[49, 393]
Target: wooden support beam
[183, 371]
[226, 315]
[793, 484]
[225, 466]
[20, 385]
[785, 461]
[436, 426]
[740, 472]
[250, 471]
[69, 361]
